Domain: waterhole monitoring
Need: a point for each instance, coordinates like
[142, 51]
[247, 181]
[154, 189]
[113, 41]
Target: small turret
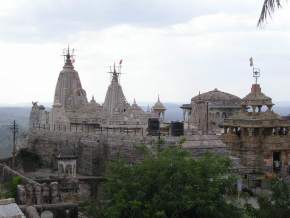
[93, 101]
[159, 108]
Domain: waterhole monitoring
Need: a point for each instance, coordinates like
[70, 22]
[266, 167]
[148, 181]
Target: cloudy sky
[174, 48]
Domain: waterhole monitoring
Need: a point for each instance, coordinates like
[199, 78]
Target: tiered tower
[160, 109]
[258, 136]
[69, 93]
[115, 100]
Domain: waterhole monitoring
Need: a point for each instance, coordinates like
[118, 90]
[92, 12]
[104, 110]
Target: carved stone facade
[71, 108]
[207, 111]
[36, 194]
[259, 137]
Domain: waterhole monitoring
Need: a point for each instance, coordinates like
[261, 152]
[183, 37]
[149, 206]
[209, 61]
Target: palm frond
[268, 8]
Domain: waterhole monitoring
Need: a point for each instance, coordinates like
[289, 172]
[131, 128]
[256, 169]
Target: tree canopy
[276, 204]
[171, 184]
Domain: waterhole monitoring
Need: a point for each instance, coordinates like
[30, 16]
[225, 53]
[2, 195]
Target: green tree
[268, 8]
[275, 205]
[9, 188]
[170, 185]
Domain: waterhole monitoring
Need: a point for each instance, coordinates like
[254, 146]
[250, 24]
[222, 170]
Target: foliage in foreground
[9, 189]
[275, 205]
[171, 184]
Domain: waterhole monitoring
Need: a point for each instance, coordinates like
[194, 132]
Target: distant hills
[7, 116]
[20, 113]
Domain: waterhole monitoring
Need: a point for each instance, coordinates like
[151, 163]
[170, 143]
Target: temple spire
[115, 98]
[68, 57]
[256, 71]
[115, 71]
[69, 92]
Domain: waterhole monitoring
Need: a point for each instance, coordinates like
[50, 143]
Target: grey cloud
[55, 20]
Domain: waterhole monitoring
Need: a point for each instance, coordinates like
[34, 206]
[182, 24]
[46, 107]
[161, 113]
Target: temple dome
[158, 105]
[256, 97]
[217, 97]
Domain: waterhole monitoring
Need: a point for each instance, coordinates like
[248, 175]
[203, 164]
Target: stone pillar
[225, 130]
[184, 114]
[54, 192]
[29, 194]
[45, 193]
[21, 195]
[250, 130]
[38, 194]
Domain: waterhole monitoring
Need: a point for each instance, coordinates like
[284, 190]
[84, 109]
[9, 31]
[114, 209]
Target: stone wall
[60, 210]
[93, 150]
[7, 173]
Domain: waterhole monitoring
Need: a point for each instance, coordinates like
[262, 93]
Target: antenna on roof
[256, 71]
[68, 54]
[116, 70]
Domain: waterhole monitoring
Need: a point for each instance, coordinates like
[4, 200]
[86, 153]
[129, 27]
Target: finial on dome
[256, 71]
[93, 100]
[68, 56]
[115, 71]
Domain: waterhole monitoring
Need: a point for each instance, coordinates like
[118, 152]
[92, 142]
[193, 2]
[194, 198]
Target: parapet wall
[92, 148]
[7, 173]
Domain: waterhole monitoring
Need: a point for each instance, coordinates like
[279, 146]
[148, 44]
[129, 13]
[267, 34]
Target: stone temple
[76, 138]
[259, 137]
[72, 110]
[207, 111]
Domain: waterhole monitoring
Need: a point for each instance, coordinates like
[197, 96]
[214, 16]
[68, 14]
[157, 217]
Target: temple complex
[77, 137]
[72, 110]
[207, 111]
[259, 137]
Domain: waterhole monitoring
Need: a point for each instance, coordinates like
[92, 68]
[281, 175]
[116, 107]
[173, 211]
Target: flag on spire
[121, 61]
[251, 62]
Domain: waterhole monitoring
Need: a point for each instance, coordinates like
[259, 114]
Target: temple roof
[254, 118]
[256, 97]
[135, 106]
[217, 97]
[69, 92]
[115, 98]
[186, 106]
[158, 105]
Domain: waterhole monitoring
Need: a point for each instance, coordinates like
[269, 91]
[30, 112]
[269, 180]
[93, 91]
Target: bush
[29, 160]
[9, 189]
[171, 184]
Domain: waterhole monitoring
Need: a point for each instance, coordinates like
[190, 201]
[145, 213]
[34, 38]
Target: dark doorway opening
[277, 161]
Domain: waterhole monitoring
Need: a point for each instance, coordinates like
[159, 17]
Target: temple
[71, 109]
[259, 137]
[207, 111]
